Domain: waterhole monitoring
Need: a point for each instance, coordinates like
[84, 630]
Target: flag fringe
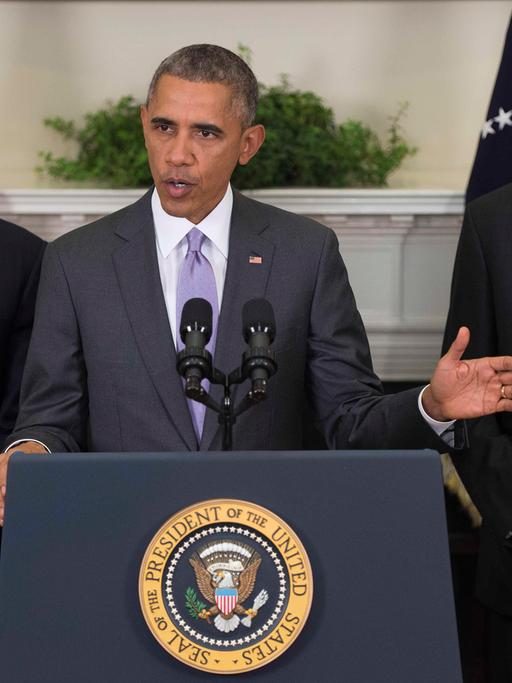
[455, 486]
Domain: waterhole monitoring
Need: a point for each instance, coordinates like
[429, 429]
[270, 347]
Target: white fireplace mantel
[304, 201]
[398, 245]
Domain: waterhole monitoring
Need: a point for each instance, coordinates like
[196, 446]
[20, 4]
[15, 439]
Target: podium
[372, 523]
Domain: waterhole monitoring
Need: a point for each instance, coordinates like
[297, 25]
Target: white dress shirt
[172, 246]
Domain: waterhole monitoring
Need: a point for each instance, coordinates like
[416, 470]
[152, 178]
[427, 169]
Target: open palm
[463, 389]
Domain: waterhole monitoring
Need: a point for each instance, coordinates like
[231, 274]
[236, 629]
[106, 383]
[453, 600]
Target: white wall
[362, 57]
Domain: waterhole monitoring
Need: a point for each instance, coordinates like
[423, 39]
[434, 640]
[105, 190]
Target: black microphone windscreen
[258, 314]
[196, 313]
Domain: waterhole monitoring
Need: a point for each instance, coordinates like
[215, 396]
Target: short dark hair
[205, 63]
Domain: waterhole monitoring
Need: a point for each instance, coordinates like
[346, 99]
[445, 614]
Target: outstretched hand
[463, 389]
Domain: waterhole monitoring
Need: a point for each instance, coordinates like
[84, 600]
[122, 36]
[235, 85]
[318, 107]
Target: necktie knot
[195, 240]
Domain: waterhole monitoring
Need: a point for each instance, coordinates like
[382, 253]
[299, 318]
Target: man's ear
[252, 139]
[144, 118]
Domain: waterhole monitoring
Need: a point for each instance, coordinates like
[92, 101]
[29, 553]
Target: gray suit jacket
[101, 374]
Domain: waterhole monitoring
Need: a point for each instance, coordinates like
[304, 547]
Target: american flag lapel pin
[254, 259]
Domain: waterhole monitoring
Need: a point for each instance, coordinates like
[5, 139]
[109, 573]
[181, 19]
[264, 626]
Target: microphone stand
[227, 413]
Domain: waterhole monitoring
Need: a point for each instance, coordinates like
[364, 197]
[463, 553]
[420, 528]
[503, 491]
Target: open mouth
[178, 188]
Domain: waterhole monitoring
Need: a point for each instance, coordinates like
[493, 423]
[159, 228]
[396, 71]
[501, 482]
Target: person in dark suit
[481, 298]
[101, 372]
[20, 262]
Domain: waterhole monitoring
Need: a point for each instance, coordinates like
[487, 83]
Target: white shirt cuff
[16, 443]
[443, 429]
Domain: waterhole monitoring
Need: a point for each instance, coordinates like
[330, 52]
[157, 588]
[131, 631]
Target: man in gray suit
[101, 372]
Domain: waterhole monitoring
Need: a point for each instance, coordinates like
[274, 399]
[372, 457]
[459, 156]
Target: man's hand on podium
[26, 447]
[464, 389]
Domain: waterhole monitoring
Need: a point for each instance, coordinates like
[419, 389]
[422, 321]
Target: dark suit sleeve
[480, 279]
[348, 399]
[53, 406]
[21, 263]
[471, 298]
[19, 337]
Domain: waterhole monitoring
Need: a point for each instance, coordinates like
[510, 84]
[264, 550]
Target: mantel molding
[364, 202]
[308, 201]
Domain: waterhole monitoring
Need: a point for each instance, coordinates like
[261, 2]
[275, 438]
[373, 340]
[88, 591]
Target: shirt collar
[170, 230]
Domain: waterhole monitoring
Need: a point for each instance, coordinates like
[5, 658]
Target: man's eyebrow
[207, 126]
[211, 127]
[160, 120]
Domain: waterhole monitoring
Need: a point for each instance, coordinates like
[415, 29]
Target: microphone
[194, 361]
[259, 329]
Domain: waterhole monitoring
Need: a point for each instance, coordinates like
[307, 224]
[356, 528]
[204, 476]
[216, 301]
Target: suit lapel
[136, 266]
[245, 280]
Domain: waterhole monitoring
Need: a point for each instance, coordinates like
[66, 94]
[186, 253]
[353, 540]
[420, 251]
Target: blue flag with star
[492, 167]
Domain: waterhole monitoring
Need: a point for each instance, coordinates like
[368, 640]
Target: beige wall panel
[362, 57]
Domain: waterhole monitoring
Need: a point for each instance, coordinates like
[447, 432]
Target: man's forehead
[173, 90]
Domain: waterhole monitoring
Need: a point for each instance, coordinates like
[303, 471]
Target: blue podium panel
[372, 523]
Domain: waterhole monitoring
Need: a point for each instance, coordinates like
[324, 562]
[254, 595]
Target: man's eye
[163, 128]
[207, 134]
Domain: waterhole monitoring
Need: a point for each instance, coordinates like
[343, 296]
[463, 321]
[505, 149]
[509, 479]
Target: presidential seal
[225, 586]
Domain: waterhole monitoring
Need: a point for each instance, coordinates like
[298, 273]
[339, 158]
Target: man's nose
[179, 151]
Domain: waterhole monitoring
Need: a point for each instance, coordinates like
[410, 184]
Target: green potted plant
[304, 146]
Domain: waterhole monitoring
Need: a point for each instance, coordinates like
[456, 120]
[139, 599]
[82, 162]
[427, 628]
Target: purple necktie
[196, 279]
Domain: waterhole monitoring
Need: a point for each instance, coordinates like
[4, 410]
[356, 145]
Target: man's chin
[186, 205]
[179, 208]
[173, 210]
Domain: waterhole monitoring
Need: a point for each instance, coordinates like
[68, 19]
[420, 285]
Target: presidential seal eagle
[226, 574]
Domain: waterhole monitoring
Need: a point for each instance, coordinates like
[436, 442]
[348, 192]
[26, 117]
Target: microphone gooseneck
[194, 361]
[259, 329]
